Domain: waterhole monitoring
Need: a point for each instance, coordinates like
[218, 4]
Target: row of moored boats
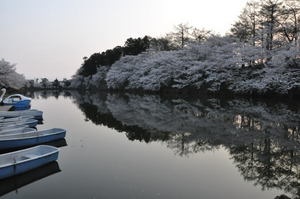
[18, 130]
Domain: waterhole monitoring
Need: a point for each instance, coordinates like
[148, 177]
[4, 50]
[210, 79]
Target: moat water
[147, 146]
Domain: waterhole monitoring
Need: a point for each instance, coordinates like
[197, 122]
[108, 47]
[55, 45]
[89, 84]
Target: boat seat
[24, 157]
[18, 159]
[29, 156]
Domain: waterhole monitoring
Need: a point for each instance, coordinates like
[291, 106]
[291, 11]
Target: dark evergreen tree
[247, 26]
[56, 84]
[161, 44]
[136, 46]
[108, 57]
[270, 14]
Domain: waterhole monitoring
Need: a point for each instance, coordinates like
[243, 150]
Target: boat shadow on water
[57, 143]
[14, 183]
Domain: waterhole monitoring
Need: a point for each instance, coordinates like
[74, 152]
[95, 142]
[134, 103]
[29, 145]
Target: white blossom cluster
[215, 64]
[9, 77]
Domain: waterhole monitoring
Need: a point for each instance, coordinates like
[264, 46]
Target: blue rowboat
[8, 128]
[32, 112]
[17, 131]
[21, 161]
[15, 119]
[31, 138]
[27, 122]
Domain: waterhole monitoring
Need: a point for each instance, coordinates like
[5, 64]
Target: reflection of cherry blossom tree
[262, 139]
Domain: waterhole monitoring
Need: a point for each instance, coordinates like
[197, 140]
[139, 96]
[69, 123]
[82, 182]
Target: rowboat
[8, 128]
[27, 122]
[32, 112]
[18, 162]
[13, 119]
[16, 131]
[31, 138]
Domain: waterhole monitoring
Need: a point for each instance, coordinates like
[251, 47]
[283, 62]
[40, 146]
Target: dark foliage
[56, 83]
[136, 46]
[107, 58]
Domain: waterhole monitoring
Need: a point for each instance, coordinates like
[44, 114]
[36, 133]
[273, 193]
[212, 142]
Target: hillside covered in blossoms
[259, 56]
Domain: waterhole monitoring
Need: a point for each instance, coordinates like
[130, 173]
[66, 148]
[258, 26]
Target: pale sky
[48, 38]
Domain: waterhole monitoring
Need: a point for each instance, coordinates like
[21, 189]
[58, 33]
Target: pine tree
[247, 26]
[270, 13]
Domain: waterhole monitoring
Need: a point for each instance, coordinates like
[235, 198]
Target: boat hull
[22, 102]
[27, 164]
[19, 143]
[17, 169]
[19, 104]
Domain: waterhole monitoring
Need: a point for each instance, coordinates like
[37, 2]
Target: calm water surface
[131, 146]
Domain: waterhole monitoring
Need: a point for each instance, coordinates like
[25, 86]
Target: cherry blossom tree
[9, 77]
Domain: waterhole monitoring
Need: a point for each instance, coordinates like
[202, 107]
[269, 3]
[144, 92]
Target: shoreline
[187, 93]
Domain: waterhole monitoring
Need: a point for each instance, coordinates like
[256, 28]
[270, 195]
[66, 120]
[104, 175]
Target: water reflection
[14, 183]
[261, 137]
[48, 93]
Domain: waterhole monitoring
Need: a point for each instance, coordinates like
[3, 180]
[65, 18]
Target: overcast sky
[48, 38]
